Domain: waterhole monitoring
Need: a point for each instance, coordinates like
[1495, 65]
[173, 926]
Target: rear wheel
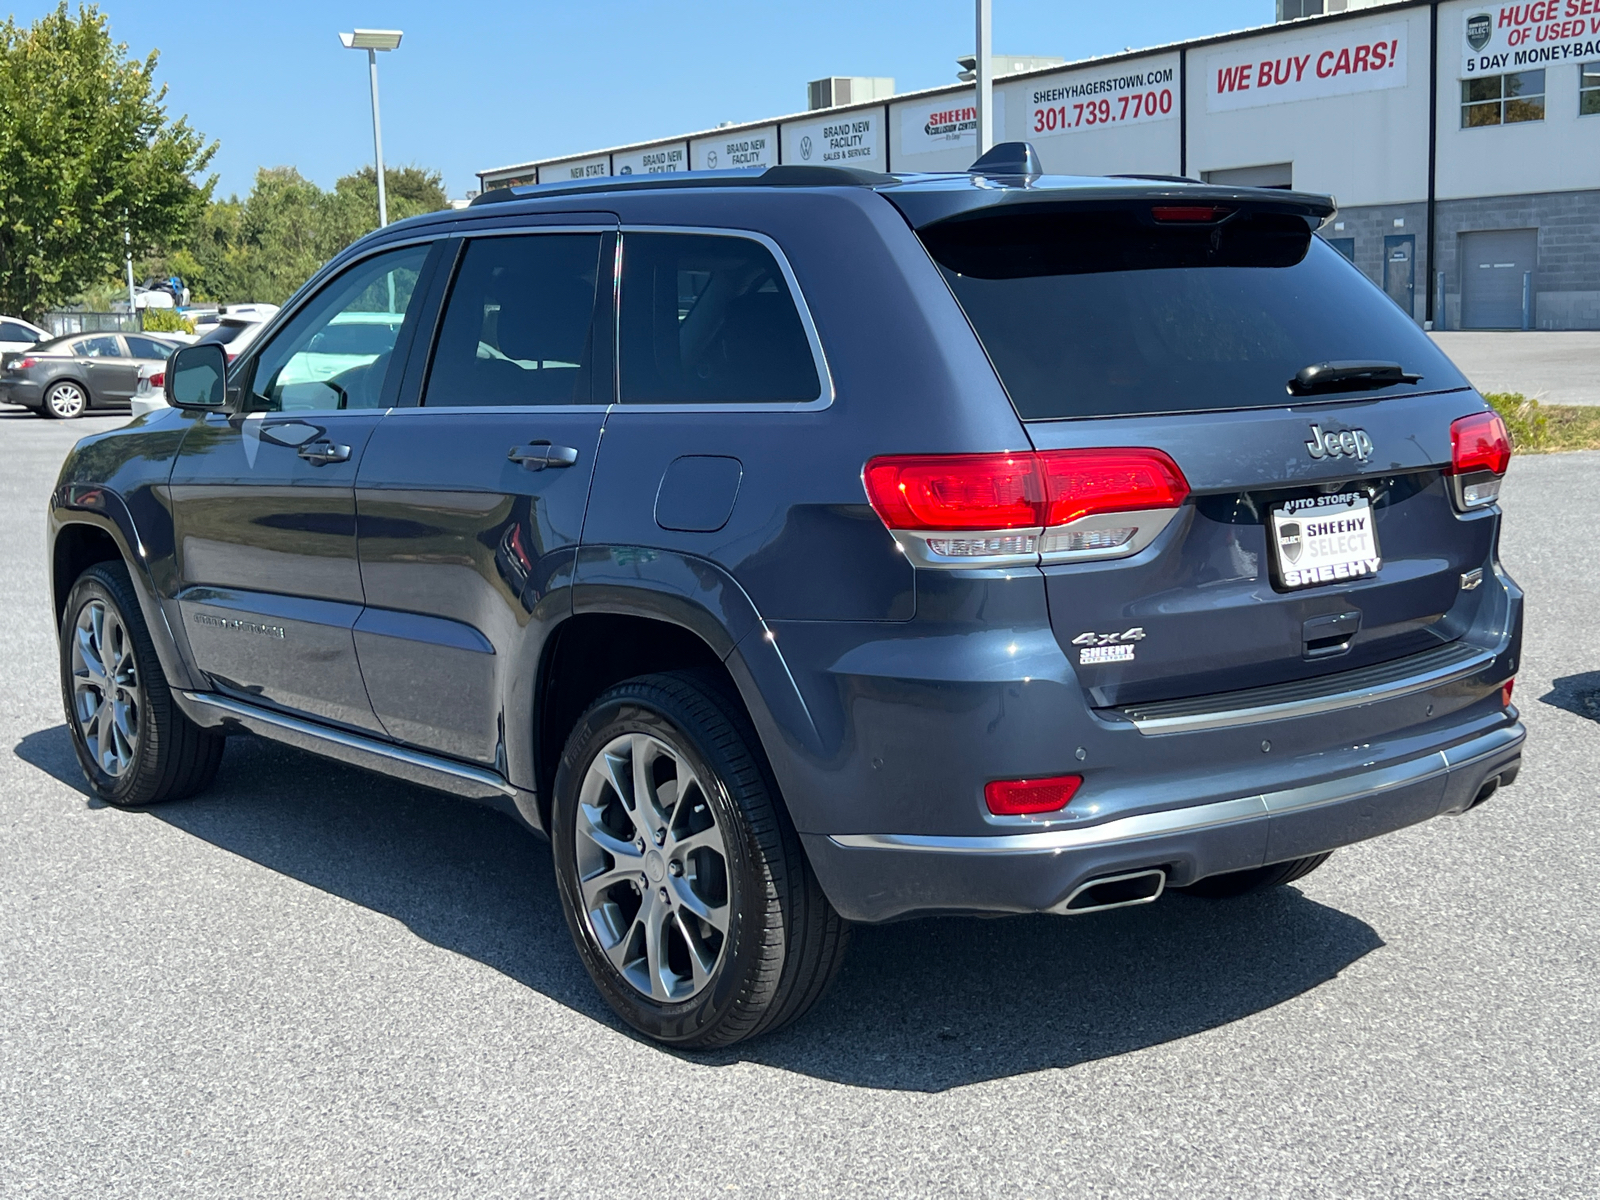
[66, 400]
[133, 743]
[1257, 879]
[684, 885]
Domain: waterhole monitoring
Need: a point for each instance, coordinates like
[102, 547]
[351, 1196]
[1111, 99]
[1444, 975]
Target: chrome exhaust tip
[1114, 891]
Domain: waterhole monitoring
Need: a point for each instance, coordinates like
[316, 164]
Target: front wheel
[133, 743]
[683, 883]
[66, 400]
[1257, 879]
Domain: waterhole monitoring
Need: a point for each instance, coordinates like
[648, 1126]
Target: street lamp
[373, 40]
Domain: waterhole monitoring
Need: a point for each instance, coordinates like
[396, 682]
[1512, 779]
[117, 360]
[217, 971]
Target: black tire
[783, 942]
[1257, 879]
[169, 756]
[65, 400]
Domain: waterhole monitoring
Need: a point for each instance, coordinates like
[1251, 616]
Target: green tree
[86, 152]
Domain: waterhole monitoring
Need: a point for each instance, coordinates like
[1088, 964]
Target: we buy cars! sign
[1514, 37]
[1334, 63]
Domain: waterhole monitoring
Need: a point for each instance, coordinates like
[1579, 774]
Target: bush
[166, 320]
[1527, 424]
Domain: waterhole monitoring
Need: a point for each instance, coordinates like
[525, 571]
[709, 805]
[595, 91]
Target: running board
[212, 710]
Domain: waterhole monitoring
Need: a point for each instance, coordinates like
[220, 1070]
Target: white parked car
[17, 335]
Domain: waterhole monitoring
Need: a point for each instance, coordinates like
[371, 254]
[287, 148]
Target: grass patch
[1543, 428]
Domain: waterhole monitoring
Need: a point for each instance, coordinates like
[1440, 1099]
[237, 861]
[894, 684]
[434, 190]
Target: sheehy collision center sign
[1515, 37]
[1336, 62]
[945, 123]
[1083, 101]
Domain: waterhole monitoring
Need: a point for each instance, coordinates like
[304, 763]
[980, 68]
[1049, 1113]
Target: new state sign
[1333, 63]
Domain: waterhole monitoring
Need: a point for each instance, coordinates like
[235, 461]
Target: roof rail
[779, 176]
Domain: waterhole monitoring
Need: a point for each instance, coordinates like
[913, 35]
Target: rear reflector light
[1188, 212]
[1019, 797]
[1505, 693]
[1480, 451]
[1007, 509]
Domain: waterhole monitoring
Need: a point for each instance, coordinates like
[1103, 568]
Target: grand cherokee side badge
[1336, 443]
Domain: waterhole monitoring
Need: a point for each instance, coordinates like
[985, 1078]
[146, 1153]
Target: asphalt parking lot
[314, 982]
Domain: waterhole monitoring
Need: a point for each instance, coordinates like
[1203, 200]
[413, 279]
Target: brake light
[1480, 451]
[24, 364]
[1019, 797]
[1505, 693]
[1188, 212]
[1018, 508]
[159, 379]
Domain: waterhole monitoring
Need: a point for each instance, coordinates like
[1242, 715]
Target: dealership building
[1461, 140]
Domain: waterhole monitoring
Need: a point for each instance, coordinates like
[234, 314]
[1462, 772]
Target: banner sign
[657, 160]
[1074, 103]
[577, 168]
[752, 148]
[1336, 62]
[1519, 37]
[850, 139]
[947, 123]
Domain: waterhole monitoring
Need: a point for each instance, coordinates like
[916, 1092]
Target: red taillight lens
[159, 379]
[1188, 212]
[24, 364]
[1479, 443]
[1505, 693]
[1018, 797]
[1021, 490]
[1082, 482]
[957, 491]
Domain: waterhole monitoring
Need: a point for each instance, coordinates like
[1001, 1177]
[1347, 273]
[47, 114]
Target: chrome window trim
[802, 306]
[1200, 818]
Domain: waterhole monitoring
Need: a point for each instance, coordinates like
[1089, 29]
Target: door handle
[320, 454]
[536, 456]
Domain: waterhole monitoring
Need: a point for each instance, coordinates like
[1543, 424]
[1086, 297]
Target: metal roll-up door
[1493, 263]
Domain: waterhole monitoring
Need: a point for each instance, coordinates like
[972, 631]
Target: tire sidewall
[692, 1019]
[49, 408]
[112, 789]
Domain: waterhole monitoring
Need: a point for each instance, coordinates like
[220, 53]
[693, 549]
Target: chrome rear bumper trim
[1200, 817]
[1368, 686]
[353, 748]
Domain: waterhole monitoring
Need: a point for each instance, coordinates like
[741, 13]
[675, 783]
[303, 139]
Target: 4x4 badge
[1350, 443]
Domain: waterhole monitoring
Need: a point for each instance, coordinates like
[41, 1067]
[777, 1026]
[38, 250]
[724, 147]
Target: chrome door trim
[352, 748]
[1200, 818]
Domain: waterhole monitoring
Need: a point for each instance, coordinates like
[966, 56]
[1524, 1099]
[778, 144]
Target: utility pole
[127, 247]
[983, 73]
[373, 40]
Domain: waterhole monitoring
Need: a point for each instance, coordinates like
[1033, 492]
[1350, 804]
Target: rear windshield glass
[222, 334]
[1111, 313]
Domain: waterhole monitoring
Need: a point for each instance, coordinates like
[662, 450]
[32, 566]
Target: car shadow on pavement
[919, 1006]
[1576, 693]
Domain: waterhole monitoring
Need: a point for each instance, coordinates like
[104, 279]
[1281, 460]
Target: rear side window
[97, 347]
[144, 347]
[10, 331]
[1089, 313]
[518, 326]
[709, 319]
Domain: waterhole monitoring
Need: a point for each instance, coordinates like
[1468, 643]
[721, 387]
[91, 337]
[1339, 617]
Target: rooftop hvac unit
[837, 90]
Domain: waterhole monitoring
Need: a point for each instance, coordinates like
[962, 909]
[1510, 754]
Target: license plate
[1324, 539]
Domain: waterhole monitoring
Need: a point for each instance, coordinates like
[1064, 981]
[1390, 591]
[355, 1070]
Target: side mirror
[197, 378]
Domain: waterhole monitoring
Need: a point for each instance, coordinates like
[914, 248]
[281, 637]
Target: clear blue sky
[484, 83]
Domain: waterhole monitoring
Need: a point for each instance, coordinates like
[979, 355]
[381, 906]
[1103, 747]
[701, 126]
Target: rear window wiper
[1348, 377]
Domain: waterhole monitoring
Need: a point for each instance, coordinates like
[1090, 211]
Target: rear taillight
[1019, 797]
[24, 364]
[1480, 451]
[1505, 693]
[954, 510]
[159, 379]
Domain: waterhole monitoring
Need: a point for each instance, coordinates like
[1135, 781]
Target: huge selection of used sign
[1519, 37]
[1333, 62]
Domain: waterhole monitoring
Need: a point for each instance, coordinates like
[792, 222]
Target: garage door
[1492, 266]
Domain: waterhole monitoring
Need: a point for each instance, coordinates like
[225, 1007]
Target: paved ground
[1551, 367]
[311, 982]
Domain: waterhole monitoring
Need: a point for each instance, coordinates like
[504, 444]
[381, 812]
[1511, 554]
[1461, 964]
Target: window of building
[1589, 89]
[1344, 245]
[1293, 10]
[1502, 99]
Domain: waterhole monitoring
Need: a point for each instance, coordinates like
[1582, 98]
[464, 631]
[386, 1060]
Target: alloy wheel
[105, 687]
[652, 867]
[67, 400]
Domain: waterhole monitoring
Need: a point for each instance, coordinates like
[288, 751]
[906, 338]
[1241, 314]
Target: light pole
[373, 40]
[983, 70]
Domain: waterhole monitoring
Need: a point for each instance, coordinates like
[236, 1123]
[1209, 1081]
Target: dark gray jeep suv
[806, 547]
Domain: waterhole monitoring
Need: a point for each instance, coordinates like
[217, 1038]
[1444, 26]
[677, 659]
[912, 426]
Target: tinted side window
[143, 347]
[708, 319]
[97, 347]
[518, 326]
[311, 363]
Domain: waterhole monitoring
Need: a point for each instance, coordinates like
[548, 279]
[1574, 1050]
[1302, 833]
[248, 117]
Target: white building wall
[1558, 154]
[1360, 134]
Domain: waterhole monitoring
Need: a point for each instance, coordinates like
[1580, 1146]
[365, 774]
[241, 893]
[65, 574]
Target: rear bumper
[876, 877]
[21, 391]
